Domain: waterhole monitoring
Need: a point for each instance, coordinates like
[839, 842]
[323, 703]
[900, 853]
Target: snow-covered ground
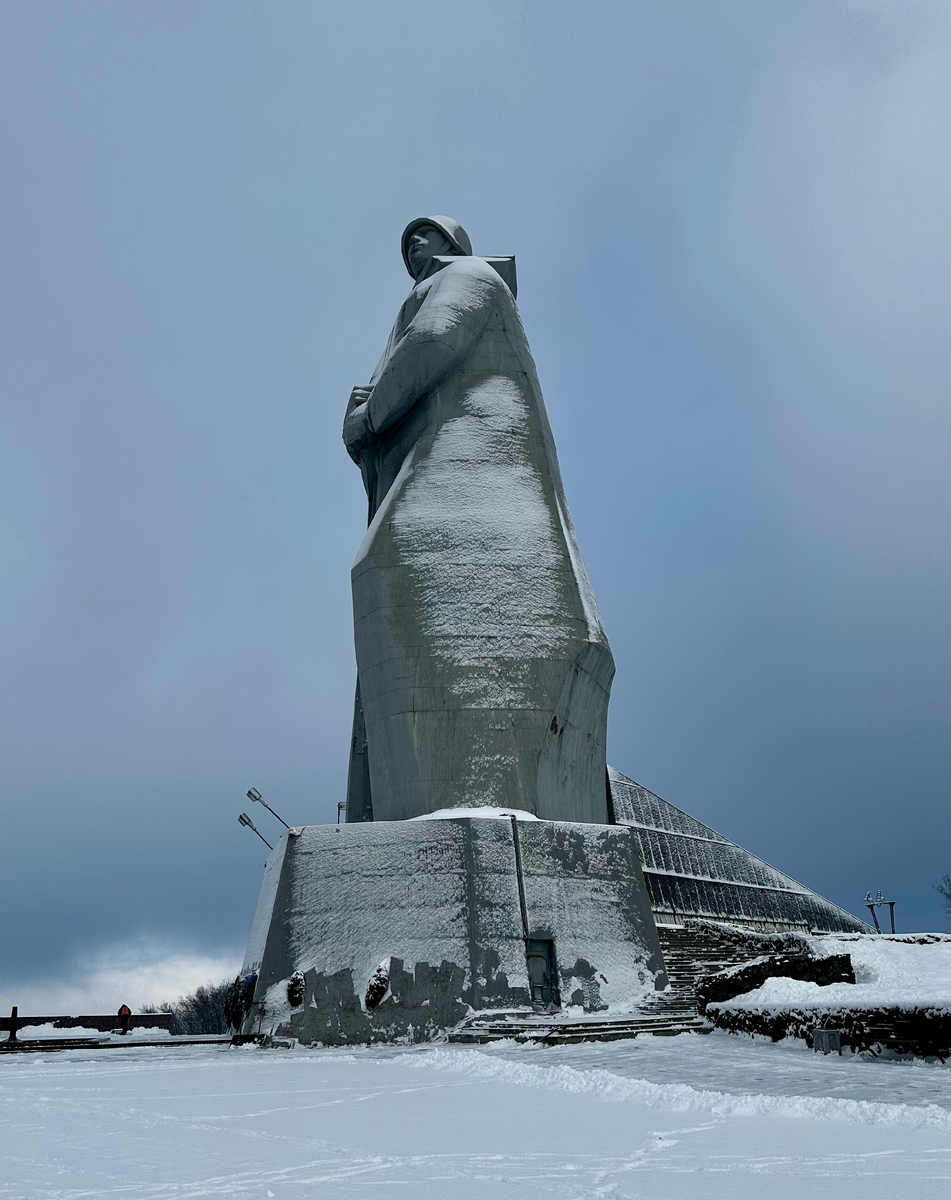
[704, 1117]
[890, 972]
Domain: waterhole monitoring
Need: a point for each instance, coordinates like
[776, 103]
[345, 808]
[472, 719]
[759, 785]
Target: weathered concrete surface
[584, 889]
[484, 670]
[438, 902]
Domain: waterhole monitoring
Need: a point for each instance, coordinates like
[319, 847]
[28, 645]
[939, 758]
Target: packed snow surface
[666, 1118]
[484, 810]
[889, 972]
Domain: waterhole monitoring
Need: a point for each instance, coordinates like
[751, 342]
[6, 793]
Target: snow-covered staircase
[690, 953]
[556, 1030]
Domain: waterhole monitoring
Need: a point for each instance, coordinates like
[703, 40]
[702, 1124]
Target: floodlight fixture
[255, 795]
[244, 819]
[879, 902]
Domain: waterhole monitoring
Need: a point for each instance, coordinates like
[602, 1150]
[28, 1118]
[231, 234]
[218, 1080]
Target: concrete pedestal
[449, 909]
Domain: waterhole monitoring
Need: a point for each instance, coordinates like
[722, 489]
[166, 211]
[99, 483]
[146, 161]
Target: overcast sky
[729, 220]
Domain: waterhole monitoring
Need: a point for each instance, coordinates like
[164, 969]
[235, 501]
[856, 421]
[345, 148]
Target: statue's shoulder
[497, 272]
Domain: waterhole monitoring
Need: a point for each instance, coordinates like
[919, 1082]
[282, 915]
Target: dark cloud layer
[729, 220]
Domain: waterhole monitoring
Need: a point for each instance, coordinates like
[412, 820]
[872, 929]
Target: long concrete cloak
[484, 671]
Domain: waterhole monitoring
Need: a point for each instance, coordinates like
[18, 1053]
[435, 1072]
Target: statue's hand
[359, 395]
[356, 431]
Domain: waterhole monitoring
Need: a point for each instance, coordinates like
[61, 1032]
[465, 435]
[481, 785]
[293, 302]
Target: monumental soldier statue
[484, 671]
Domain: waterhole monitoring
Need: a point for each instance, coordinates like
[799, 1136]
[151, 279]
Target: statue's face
[425, 244]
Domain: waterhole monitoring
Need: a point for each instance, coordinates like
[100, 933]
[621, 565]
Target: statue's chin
[423, 270]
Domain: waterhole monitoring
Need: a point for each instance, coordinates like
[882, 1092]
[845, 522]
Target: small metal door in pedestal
[542, 973]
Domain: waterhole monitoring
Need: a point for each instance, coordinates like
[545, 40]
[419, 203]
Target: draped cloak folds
[484, 672]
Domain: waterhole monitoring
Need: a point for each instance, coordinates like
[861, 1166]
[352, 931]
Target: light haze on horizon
[729, 222]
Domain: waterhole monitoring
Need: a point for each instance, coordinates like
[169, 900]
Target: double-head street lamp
[879, 900]
[244, 819]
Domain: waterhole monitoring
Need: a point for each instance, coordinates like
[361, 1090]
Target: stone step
[693, 955]
[559, 1039]
[704, 964]
[686, 952]
[646, 1023]
[557, 1035]
[707, 948]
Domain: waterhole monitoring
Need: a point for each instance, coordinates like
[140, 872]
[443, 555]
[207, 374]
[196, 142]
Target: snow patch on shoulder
[485, 810]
